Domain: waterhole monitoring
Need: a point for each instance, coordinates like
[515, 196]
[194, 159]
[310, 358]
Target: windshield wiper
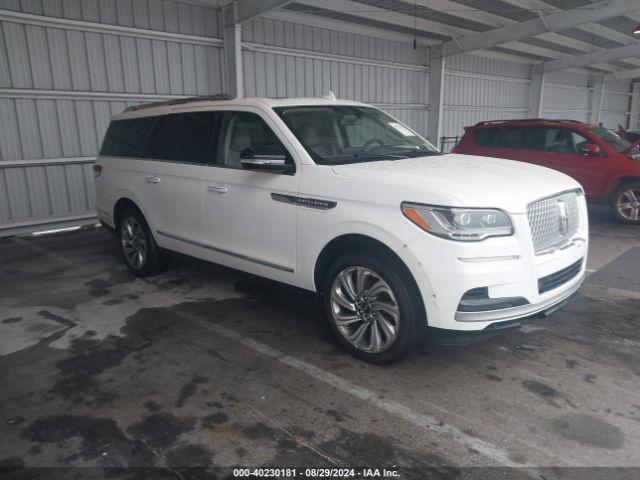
[356, 157]
[412, 153]
[394, 156]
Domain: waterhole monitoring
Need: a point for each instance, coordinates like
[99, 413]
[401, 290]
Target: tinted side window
[127, 138]
[579, 141]
[558, 140]
[486, 137]
[185, 137]
[536, 140]
[240, 131]
[514, 137]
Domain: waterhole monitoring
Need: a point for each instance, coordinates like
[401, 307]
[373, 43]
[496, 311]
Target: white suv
[340, 198]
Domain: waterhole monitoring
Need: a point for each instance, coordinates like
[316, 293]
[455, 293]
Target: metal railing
[447, 143]
[45, 194]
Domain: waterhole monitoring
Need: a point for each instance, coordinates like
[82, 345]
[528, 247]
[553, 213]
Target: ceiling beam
[588, 59]
[372, 12]
[626, 74]
[392, 18]
[545, 23]
[247, 9]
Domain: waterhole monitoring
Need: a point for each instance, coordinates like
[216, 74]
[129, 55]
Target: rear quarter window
[486, 137]
[127, 138]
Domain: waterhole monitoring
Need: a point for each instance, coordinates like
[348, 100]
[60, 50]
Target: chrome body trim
[519, 312]
[227, 252]
[574, 241]
[315, 203]
[489, 259]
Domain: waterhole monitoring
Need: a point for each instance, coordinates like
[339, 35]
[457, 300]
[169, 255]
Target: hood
[468, 180]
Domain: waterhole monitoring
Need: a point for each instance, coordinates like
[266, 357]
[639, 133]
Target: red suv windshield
[616, 142]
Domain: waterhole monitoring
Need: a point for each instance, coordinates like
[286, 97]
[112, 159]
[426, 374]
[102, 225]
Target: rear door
[123, 165]
[483, 141]
[563, 147]
[181, 149]
[522, 143]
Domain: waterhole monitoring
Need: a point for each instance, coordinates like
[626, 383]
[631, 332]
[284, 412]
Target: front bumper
[505, 314]
[507, 266]
[440, 336]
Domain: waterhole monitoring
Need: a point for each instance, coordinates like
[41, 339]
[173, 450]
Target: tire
[396, 288]
[139, 250]
[625, 203]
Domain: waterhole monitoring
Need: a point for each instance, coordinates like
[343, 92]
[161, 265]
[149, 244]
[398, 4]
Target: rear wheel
[139, 250]
[374, 309]
[626, 203]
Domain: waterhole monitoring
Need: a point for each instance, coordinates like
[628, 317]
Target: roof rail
[180, 101]
[512, 120]
[566, 120]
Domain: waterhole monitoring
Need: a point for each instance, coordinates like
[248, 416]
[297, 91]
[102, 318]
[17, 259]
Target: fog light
[477, 300]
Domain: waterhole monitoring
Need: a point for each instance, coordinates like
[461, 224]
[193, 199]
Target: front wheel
[139, 250]
[626, 203]
[373, 307]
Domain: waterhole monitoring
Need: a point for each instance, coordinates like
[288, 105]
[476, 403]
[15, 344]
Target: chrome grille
[553, 220]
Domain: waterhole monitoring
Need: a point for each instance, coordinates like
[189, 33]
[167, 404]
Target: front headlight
[463, 224]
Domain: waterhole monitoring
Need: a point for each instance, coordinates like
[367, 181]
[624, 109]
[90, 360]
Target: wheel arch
[349, 242]
[123, 204]
[618, 183]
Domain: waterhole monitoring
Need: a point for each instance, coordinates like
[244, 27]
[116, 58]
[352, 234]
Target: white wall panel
[616, 103]
[283, 59]
[281, 33]
[487, 66]
[60, 85]
[159, 15]
[567, 95]
[480, 88]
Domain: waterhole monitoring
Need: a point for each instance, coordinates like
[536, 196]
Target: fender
[310, 249]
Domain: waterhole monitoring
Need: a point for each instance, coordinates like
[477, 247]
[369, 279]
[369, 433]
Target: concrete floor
[203, 368]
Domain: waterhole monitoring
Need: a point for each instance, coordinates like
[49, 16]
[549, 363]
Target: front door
[249, 227]
[564, 148]
[182, 146]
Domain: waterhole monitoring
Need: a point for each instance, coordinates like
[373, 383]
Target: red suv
[607, 166]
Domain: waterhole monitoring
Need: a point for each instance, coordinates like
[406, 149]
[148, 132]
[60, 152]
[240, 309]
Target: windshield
[345, 134]
[614, 140]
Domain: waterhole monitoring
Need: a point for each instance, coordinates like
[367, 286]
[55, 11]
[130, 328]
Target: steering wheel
[366, 146]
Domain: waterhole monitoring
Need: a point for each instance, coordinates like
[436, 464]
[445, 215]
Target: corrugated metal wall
[569, 95]
[566, 95]
[616, 104]
[283, 59]
[479, 88]
[61, 81]
[67, 65]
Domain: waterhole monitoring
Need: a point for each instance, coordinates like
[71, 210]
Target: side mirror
[591, 150]
[267, 158]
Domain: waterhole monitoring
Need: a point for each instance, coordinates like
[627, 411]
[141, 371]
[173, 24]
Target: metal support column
[597, 95]
[536, 92]
[232, 44]
[436, 88]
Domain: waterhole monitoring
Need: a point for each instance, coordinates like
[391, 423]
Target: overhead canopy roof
[538, 30]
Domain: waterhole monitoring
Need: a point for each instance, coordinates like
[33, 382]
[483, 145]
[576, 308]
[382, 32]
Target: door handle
[218, 188]
[152, 179]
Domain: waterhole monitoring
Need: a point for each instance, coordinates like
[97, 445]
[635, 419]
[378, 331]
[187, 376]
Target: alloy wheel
[629, 205]
[365, 309]
[134, 242]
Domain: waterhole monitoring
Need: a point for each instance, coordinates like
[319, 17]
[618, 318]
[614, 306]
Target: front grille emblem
[563, 217]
